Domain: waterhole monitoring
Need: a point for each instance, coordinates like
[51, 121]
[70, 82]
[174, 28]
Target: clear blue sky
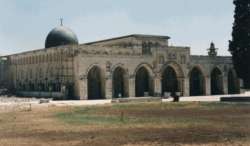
[25, 24]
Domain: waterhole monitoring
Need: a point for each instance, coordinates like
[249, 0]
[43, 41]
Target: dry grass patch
[144, 124]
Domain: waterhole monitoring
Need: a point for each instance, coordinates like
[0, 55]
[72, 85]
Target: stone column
[76, 89]
[207, 85]
[132, 86]
[181, 85]
[109, 87]
[157, 85]
[126, 86]
[83, 88]
[186, 88]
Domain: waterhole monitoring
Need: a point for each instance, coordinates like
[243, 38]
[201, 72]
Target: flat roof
[132, 35]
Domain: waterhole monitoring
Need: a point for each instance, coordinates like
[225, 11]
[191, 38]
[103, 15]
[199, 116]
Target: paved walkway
[182, 99]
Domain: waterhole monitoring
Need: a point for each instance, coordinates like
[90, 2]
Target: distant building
[128, 66]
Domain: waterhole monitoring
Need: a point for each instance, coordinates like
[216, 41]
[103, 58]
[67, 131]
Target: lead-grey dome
[60, 36]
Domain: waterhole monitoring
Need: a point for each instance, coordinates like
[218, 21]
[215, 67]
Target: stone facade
[129, 66]
[3, 75]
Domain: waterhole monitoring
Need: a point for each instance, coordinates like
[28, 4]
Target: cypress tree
[239, 46]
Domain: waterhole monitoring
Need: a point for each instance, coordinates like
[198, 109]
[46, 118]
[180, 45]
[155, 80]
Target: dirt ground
[141, 124]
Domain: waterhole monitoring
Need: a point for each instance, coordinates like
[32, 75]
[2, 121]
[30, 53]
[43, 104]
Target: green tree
[239, 46]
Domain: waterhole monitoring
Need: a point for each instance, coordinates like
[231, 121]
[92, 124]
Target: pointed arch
[216, 82]
[96, 83]
[197, 82]
[144, 81]
[120, 82]
[169, 81]
[172, 80]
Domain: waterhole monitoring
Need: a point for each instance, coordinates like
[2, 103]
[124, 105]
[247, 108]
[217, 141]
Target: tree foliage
[240, 44]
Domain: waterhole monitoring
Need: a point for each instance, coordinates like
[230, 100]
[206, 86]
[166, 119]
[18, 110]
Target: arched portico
[143, 82]
[216, 82]
[96, 83]
[120, 83]
[196, 82]
[172, 79]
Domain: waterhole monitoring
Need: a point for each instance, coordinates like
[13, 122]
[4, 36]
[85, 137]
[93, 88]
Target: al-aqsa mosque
[128, 66]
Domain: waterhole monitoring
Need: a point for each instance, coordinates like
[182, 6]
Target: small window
[172, 56]
[146, 48]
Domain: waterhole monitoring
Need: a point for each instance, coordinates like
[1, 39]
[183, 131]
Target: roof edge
[126, 36]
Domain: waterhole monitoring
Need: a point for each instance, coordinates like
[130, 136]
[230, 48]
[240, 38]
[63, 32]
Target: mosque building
[128, 66]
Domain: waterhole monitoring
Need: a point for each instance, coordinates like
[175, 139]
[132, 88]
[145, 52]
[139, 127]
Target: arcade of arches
[135, 65]
[171, 82]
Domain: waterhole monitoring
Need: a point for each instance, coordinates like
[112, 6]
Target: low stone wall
[235, 99]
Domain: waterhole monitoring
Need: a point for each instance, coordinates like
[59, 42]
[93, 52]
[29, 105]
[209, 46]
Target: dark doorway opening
[96, 84]
[216, 82]
[120, 83]
[70, 92]
[197, 83]
[169, 81]
[143, 83]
